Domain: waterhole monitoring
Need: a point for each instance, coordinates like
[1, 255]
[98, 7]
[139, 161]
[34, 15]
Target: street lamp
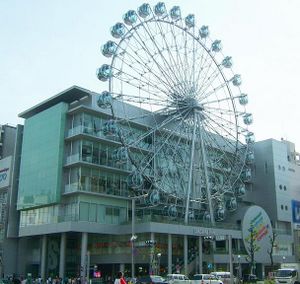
[239, 268]
[133, 236]
[158, 263]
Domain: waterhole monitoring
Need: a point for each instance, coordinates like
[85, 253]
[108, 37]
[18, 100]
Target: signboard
[5, 170]
[257, 230]
[296, 211]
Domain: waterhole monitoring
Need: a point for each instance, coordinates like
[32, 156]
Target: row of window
[281, 167]
[95, 180]
[282, 187]
[105, 155]
[92, 212]
[85, 211]
[284, 207]
[107, 128]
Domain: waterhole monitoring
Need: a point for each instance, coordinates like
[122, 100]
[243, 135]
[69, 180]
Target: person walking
[120, 279]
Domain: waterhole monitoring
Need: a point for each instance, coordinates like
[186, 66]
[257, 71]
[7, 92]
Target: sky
[46, 46]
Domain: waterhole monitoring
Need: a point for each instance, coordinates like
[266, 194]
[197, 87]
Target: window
[281, 207]
[284, 187]
[280, 186]
[286, 207]
[279, 167]
[266, 167]
[84, 211]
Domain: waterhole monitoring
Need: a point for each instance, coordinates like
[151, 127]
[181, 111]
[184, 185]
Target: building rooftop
[69, 95]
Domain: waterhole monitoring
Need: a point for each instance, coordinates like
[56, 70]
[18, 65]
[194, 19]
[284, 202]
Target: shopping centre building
[80, 207]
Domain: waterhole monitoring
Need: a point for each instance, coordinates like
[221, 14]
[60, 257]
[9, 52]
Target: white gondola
[130, 18]
[104, 100]
[175, 13]
[227, 62]
[118, 30]
[144, 10]
[204, 32]
[243, 99]
[104, 72]
[190, 20]
[160, 9]
[109, 49]
[216, 46]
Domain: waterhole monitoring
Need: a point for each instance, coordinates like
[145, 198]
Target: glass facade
[88, 211]
[42, 158]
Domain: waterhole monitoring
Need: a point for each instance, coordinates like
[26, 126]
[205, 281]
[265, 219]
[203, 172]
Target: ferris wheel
[178, 110]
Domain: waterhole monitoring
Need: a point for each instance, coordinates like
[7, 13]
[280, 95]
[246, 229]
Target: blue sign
[296, 211]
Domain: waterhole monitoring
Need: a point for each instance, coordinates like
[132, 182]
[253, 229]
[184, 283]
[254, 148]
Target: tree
[271, 250]
[252, 249]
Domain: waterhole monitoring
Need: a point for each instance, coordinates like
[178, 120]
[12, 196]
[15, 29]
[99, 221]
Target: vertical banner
[5, 171]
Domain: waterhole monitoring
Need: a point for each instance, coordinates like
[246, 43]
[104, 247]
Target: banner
[296, 211]
[5, 171]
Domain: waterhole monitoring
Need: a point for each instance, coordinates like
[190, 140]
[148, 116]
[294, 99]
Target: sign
[203, 232]
[296, 211]
[5, 170]
[257, 230]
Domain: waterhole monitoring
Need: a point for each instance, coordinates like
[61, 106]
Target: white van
[224, 276]
[177, 279]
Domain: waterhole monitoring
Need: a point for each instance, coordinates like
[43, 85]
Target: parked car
[177, 279]
[224, 276]
[249, 278]
[150, 279]
[206, 279]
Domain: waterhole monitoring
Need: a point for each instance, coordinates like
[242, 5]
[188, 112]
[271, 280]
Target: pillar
[122, 267]
[84, 241]
[200, 255]
[62, 256]
[170, 254]
[230, 258]
[185, 253]
[43, 258]
[152, 256]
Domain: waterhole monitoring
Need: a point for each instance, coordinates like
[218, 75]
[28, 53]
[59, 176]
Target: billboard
[5, 171]
[257, 230]
[296, 211]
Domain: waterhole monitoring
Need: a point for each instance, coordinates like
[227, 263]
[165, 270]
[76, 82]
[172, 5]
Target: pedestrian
[120, 279]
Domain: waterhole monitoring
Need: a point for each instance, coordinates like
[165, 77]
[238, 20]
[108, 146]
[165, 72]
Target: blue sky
[48, 46]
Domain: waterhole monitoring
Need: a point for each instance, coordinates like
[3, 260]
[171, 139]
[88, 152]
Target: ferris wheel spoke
[145, 69]
[166, 65]
[219, 100]
[171, 152]
[203, 95]
[208, 78]
[141, 42]
[154, 129]
[214, 163]
[221, 129]
[205, 78]
[202, 67]
[214, 128]
[222, 111]
[177, 71]
[136, 82]
[223, 118]
[140, 99]
[179, 62]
